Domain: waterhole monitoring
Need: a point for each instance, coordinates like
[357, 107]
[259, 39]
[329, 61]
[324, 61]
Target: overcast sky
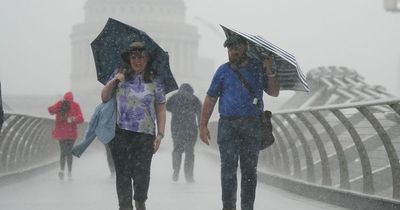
[359, 34]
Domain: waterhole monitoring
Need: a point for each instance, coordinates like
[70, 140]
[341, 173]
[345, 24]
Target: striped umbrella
[289, 72]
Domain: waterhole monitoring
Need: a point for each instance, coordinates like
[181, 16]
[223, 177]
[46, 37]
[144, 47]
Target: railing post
[368, 182]
[326, 172]
[343, 168]
[306, 148]
[390, 150]
[292, 145]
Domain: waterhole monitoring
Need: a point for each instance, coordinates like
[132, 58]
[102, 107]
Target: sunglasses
[138, 54]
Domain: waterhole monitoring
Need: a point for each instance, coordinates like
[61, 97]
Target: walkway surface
[92, 188]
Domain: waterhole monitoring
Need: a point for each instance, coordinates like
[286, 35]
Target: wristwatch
[273, 73]
[160, 134]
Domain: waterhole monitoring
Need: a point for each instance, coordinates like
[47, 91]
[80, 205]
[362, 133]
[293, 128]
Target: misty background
[35, 47]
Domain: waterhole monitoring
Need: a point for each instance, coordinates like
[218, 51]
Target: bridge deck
[93, 188]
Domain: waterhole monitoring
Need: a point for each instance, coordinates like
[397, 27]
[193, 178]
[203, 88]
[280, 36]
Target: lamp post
[391, 5]
[394, 7]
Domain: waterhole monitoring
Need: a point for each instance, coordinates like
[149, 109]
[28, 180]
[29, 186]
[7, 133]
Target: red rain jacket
[64, 130]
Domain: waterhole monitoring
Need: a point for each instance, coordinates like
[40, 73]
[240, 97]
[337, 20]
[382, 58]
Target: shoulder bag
[267, 138]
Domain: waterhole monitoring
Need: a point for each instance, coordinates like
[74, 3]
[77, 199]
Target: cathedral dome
[138, 10]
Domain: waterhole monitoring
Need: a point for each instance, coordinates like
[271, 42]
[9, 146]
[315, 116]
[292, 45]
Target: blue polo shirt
[234, 99]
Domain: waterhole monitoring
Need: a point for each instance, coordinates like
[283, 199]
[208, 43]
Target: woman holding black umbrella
[140, 105]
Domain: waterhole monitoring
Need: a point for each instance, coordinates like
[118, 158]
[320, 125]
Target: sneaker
[190, 180]
[69, 175]
[61, 175]
[140, 205]
[175, 176]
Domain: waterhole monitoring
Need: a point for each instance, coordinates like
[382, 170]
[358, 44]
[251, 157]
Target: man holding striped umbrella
[239, 86]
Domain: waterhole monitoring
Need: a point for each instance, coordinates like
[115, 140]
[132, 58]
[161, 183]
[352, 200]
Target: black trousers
[65, 153]
[132, 153]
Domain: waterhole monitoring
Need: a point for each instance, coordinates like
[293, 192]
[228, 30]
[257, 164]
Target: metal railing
[352, 147]
[26, 143]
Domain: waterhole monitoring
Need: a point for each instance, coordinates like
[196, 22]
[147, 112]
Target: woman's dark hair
[149, 73]
[64, 109]
[140, 48]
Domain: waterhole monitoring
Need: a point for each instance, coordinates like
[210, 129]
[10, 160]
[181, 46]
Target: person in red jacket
[68, 115]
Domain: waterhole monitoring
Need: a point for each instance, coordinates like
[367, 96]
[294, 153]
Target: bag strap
[246, 85]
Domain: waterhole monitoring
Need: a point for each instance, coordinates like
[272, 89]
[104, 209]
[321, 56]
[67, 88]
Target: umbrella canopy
[289, 72]
[114, 39]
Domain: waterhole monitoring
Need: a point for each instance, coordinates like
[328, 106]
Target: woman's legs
[65, 156]
[132, 153]
[68, 150]
[119, 152]
[142, 154]
[62, 154]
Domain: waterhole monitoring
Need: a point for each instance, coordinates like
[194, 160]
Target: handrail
[341, 106]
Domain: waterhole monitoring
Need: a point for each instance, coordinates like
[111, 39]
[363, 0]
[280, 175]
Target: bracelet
[271, 75]
[160, 134]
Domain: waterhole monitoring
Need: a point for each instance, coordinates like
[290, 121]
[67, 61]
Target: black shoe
[140, 205]
[61, 175]
[175, 176]
[190, 180]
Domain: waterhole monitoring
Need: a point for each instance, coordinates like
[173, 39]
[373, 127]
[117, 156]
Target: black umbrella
[114, 39]
[289, 72]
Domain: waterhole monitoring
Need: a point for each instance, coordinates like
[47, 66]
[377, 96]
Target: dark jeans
[184, 144]
[65, 153]
[132, 153]
[239, 141]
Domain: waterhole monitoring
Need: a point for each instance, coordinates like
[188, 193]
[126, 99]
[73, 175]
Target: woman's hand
[70, 119]
[120, 77]
[156, 144]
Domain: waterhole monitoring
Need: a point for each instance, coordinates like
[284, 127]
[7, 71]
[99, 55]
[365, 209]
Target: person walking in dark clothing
[185, 108]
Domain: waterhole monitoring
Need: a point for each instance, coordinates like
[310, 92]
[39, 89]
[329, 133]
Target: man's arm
[207, 110]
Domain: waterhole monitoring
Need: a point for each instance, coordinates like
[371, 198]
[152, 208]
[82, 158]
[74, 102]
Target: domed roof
[167, 11]
[159, 3]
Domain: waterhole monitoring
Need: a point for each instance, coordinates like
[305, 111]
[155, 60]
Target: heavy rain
[159, 104]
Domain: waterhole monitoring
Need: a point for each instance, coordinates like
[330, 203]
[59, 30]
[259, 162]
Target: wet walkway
[92, 188]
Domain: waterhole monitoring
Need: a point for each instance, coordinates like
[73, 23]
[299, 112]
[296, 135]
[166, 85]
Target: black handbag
[267, 138]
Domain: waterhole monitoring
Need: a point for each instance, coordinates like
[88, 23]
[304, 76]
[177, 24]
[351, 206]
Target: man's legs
[228, 143]
[249, 150]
